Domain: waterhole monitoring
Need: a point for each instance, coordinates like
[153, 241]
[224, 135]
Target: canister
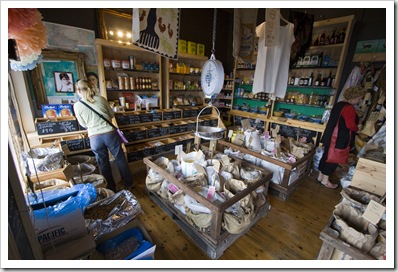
[122, 100]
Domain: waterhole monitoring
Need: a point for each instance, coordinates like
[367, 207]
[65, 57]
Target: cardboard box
[60, 228]
[370, 176]
[147, 244]
[182, 46]
[135, 223]
[200, 49]
[72, 250]
[65, 173]
[192, 48]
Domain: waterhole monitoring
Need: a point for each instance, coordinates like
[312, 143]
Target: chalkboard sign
[74, 145]
[207, 111]
[288, 131]
[146, 117]
[214, 122]
[184, 128]
[160, 149]
[168, 115]
[174, 129]
[135, 135]
[122, 119]
[190, 113]
[191, 127]
[134, 119]
[152, 133]
[157, 116]
[176, 114]
[67, 125]
[87, 143]
[135, 156]
[47, 128]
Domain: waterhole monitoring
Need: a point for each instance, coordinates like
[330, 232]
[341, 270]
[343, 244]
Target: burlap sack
[242, 215]
[176, 198]
[200, 220]
[354, 229]
[250, 175]
[357, 198]
[151, 185]
[231, 167]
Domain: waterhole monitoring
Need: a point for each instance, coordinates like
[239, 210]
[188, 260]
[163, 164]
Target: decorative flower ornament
[25, 26]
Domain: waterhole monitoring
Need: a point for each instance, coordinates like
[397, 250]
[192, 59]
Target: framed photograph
[115, 21]
[64, 82]
[54, 77]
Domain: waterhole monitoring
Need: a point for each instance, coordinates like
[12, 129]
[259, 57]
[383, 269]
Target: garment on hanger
[303, 26]
[353, 79]
[272, 66]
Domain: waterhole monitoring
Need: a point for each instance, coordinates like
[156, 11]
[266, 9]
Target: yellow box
[182, 46]
[200, 49]
[192, 48]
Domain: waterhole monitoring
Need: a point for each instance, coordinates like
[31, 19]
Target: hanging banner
[244, 40]
[157, 30]
[272, 17]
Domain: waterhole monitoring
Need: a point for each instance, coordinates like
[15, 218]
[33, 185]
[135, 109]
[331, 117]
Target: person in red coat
[348, 126]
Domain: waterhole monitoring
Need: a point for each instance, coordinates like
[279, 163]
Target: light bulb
[120, 33]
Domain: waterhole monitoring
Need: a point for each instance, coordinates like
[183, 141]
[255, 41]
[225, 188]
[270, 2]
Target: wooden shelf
[369, 57]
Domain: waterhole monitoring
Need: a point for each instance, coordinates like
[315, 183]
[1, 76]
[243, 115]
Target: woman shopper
[345, 117]
[103, 136]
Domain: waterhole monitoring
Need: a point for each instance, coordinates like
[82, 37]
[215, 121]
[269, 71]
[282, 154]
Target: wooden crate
[370, 176]
[284, 189]
[332, 245]
[65, 173]
[215, 240]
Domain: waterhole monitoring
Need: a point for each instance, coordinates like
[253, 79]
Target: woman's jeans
[99, 145]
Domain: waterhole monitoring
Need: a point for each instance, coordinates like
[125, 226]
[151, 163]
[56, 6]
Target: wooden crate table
[284, 189]
[331, 243]
[214, 240]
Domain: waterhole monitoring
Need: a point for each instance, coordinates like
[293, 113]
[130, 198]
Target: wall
[197, 25]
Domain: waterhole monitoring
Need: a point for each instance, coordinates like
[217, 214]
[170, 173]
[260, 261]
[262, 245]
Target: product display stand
[214, 240]
[284, 189]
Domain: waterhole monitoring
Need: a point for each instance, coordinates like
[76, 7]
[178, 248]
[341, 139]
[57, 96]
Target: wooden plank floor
[290, 231]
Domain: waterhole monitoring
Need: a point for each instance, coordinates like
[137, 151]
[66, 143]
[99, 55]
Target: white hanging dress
[272, 66]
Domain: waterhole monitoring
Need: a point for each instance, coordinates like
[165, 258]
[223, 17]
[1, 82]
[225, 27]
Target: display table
[284, 189]
[215, 239]
[331, 242]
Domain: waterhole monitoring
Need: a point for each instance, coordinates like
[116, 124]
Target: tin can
[126, 83]
[121, 82]
[132, 62]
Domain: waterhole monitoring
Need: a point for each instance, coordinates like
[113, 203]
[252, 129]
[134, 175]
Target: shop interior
[224, 159]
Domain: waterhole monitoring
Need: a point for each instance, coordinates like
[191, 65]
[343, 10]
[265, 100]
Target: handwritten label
[374, 211]
[177, 149]
[156, 117]
[74, 145]
[145, 118]
[66, 126]
[47, 128]
[134, 119]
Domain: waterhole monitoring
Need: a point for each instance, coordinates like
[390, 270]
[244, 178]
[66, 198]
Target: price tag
[374, 211]
[178, 149]
[230, 132]
[245, 124]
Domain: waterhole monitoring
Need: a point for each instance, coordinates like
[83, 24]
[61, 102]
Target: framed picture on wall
[54, 77]
[64, 82]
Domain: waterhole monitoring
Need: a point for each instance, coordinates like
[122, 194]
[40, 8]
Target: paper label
[177, 149]
[172, 188]
[374, 212]
[211, 192]
[230, 132]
